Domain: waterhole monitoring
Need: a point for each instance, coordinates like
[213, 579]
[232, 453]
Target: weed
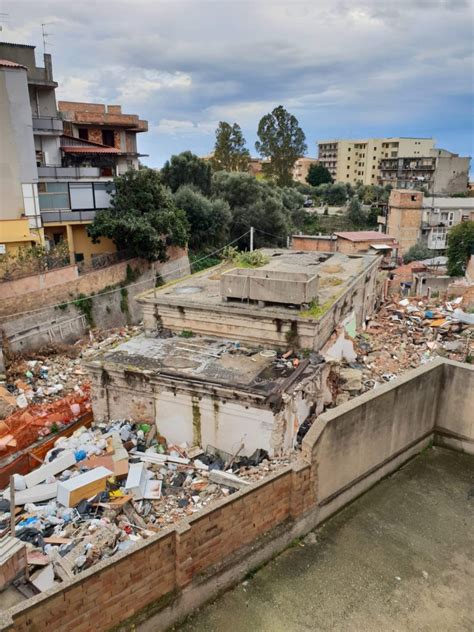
[315, 310]
[186, 333]
[124, 308]
[84, 304]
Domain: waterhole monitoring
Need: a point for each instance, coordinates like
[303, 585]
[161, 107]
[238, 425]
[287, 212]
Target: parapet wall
[347, 450]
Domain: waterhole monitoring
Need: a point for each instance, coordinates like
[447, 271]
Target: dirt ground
[401, 558]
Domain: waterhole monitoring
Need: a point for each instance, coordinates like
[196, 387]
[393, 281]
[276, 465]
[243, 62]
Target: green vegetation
[142, 218]
[186, 333]
[315, 310]
[84, 304]
[230, 153]
[418, 252]
[460, 248]
[318, 174]
[282, 140]
[187, 168]
[124, 308]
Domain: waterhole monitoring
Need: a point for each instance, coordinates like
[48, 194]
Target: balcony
[47, 125]
[70, 173]
[65, 216]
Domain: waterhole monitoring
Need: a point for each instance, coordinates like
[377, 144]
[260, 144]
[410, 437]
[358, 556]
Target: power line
[271, 234]
[118, 289]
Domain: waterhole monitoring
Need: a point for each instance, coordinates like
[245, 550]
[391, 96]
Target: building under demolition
[210, 368]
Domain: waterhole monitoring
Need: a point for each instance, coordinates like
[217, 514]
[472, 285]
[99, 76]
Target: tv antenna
[45, 36]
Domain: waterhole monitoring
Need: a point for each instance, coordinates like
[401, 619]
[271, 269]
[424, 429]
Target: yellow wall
[16, 234]
[79, 241]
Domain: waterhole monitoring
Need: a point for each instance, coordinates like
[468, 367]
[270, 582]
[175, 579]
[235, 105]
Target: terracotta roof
[81, 149]
[365, 235]
[6, 63]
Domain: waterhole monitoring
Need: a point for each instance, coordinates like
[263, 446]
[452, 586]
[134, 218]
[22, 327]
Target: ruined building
[221, 379]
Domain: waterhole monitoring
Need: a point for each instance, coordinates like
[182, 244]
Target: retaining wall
[347, 450]
[27, 331]
[38, 282]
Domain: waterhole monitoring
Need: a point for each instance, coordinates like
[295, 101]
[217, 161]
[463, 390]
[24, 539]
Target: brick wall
[134, 585]
[308, 242]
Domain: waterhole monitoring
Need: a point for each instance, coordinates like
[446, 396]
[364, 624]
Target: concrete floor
[400, 558]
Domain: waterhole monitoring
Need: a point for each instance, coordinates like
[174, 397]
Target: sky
[344, 68]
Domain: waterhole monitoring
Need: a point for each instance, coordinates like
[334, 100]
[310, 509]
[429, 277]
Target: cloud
[343, 67]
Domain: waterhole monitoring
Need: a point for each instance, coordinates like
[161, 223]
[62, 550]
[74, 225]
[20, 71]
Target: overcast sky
[345, 68]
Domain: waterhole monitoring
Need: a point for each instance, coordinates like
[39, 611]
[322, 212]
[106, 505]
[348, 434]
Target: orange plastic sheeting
[26, 426]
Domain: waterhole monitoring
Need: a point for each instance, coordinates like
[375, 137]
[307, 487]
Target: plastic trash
[80, 455]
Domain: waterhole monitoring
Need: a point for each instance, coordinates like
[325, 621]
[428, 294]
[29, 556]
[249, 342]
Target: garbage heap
[103, 489]
[402, 335]
[43, 376]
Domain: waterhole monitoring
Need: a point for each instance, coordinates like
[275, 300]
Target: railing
[69, 172]
[11, 270]
[47, 124]
[103, 260]
[66, 215]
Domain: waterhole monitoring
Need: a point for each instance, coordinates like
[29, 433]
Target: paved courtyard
[400, 558]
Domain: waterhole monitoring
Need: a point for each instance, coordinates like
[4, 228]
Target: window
[102, 192]
[53, 196]
[82, 195]
[83, 133]
[108, 137]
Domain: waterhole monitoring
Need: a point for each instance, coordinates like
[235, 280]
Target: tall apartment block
[354, 161]
[56, 165]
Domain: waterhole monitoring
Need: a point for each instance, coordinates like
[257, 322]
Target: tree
[460, 248]
[187, 168]
[293, 201]
[318, 174]
[230, 153]
[332, 194]
[355, 213]
[417, 252]
[253, 203]
[142, 218]
[283, 141]
[209, 220]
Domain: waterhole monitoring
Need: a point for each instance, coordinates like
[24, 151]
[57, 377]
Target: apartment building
[412, 218]
[439, 173]
[355, 161]
[301, 168]
[69, 158]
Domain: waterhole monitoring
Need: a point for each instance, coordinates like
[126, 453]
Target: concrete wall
[348, 449]
[207, 413]
[451, 175]
[404, 217]
[17, 155]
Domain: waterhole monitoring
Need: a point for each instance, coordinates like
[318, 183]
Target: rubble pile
[403, 335]
[53, 372]
[107, 487]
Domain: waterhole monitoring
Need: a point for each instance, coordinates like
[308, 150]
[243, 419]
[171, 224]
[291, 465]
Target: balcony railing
[65, 216]
[47, 124]
[75, 173]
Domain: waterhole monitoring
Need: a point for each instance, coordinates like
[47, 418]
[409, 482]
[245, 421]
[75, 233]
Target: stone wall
[346, 451]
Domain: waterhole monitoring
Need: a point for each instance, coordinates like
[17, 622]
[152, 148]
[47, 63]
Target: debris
[83, 486]
[65, 459]
[12, 559]
[43, 579]
[136, 480]
[225, 478]
[36, 494]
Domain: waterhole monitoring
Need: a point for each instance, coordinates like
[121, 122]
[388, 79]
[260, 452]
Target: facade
[439, 173]
[20, 221]
[412, 218]
[354, 161]
[63, 161]
[301, 168]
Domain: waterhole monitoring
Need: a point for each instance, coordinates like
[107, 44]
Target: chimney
[48, 67]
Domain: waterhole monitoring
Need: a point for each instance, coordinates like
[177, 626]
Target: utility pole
[251, 238]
